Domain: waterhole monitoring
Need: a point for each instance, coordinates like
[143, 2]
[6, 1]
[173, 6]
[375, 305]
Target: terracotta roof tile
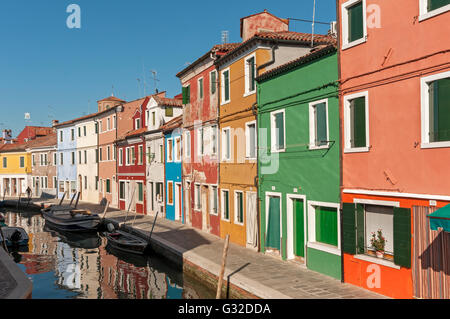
[49, 140]
[168, 101]
[112, 98]
[173, 124]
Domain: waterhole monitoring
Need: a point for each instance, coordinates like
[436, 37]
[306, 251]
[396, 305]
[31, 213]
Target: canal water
[65, 265]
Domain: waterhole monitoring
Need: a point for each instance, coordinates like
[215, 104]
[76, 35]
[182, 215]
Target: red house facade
[131, 164]
[200, 135]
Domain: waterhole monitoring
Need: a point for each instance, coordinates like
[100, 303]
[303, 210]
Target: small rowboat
[127, 242]
[73, 220]
[14, 236]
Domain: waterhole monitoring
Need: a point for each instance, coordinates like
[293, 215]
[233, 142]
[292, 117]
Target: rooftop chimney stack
[55, 122]
[7, 136]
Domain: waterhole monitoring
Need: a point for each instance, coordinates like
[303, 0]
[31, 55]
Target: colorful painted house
[106, 123]
[172, 169]
[395, 115]
[15, 169]
[267, 44]
[298, 161]
[66, 157]
[159, 110]
[200, 135]
[132, 165]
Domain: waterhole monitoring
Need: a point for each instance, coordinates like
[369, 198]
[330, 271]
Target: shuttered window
[326, 225]
[122, 190]
[170, 193]
[186, 95]
[251, 74]
[355, 22]
[439, 101]
[402, 237]
[320, 121]
[277, 131]
[200, 88]
[436, 4]
[358, 122]
[226, 85]
[213, 77]
[273, 223]
[108, 186]
[226, 205]
[239, 207]
[169, 111]
[22, 162]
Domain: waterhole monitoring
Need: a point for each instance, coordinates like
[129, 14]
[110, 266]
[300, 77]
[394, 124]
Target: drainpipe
[271, 61]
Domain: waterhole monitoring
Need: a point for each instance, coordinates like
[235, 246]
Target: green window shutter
[188, 95]
[227, 203]
[226, 76]
[355, 22]
[273, 227]
[108, 186]
[141, 192]
[436, 4]
[321, 124]
[439, 93]
[169, 111]
[279, 127]
[358, 121]
[184, 91]
[200, 82]
[213, 82]
[349, 228]
[402, 237]
[252, 73]
[241, 208]
[360, 229]
[326, 225]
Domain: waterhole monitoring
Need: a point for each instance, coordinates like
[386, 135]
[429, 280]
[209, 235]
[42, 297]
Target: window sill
[378, 261]
[225, 103]
[238, 223]
[324, 247]
[249, 93]
[314, 147]
[346, 46]
[434, 13]
[278, 151]
[435, 144]
[356, 150]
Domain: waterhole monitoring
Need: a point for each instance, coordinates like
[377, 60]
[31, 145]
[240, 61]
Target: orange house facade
[395, 121]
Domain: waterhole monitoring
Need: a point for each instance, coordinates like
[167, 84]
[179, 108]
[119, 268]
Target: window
[55, 159]
[435, 91]
[137, 124]
[149, 154]
[140, 192]
[225, 205]
[79, 131]
[226, 144]
[73, 158]
[61, 187]
[186, 94]
[159, 191]
[61, 158]
[188, 144]
[72, 134]
[170, 150]
[114, 152]
[33, 162]
[101, 126]
[250, 136]
[431, 8]
[318, 124]
[213, 81]
[140, 155]
[85, 182]
[324, 226]
[239, 207]
[96, 183]
[96, 127]
[108, 153]
[250, 74]
[114, 122]
[79, 157]
[277, 131]
[200, 88]
[356, 122]
[108, 124]
[5, 162]
[133, 155]
[200, 141]
[96, 155]
[161, 152]
[354, 23]
[153, 118]
[60, 136]
[214, 139]
[225, 86]
[170, 193]
[168, 111]
[55, 182]
[197, 197]
[214, 200]
[100, 151]
[22, 162]
[122, 190]
[84, 129]
[178, 149]
[85, 157]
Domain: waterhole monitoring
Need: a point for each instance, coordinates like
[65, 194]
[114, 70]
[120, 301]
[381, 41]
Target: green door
[299, 228]
[273, 224]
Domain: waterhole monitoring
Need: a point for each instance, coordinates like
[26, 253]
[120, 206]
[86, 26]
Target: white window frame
[272, 131]
[247, 140]
[213, 139]
[425, 14]
[222, 204]
[224, 144]
[114, 122]
[187, 137]
[211, 198]
[312, 228]
[55, 159]
[173, 193]
[127, 156]
[198, 206]
[247, 75]
[170, 156]
[222, 87]
[140, 154]
[274, 194]
[200, 144]
[198, 88]
[344, 14]
[312, 126]
[347, 124]
[175, 148]
[136, 121]
[120, 156]
[236, 208]
[425, 110]
[211, 84]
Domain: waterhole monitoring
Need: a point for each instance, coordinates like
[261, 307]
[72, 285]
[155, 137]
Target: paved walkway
[261, 275]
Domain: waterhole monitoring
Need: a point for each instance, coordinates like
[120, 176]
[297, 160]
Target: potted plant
[378, 242]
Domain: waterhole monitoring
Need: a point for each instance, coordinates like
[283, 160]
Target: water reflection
[67, 265]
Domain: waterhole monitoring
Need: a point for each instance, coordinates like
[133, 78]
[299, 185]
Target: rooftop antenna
[139, 86]
[314, 16]
[112, 92]
[143, 74]
[225, 37]
[154, 73]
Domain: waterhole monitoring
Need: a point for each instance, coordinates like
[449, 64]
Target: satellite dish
[27, 116]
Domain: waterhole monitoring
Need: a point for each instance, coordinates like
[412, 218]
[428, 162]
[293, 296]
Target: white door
[204, 191]
[251, 221]
[177, 201]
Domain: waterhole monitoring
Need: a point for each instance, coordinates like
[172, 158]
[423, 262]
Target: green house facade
[298, 161]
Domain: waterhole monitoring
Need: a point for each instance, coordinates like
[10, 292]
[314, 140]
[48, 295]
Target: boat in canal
[73, 239]
[127, 242]
[14, 236]
[73, 220]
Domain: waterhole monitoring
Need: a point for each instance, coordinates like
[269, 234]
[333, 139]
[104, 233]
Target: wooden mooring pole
[222, 269]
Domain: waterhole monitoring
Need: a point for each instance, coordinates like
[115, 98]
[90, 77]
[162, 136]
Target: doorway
[295, 226]
[273, 221]
[252, 221]
[178, 206]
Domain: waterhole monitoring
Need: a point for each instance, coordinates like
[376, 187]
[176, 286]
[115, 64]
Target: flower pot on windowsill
[380, 254]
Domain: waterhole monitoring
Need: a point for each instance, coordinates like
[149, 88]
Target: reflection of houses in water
[67, 267]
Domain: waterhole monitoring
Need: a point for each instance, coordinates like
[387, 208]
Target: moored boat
[127, 242]
[14, 236]
[73, 220]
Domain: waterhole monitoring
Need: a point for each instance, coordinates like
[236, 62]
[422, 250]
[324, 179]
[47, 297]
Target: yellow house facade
[15, 169]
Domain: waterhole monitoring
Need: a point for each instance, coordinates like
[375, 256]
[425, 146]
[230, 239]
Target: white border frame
[347, 124]
[222, 86]
[236, 210]
[224, 144]
[247, 140]
[312, 126]
[196, 208]
[272, 131]
[424, 14]
[211, 199]
[173, 193]
[312, 228]
[425, 109]
[169, 140]
[222, 205]
[177, 159]
[268, 195]
[247, 91]
[344, 15]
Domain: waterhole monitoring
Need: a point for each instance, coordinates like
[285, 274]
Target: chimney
[55, 122]
[7, 136]
[262, 22]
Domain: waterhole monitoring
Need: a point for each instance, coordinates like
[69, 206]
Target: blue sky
[54, 72]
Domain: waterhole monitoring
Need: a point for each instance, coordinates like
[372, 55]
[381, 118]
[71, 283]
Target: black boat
[127, 242]
[73, 220]
[14, 236]
[75, 240]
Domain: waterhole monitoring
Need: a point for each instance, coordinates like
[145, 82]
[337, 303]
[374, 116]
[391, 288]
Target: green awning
[440, 219]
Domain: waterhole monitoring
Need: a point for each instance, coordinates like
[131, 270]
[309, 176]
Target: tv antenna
[225, 37]
[139, 86]
[154, 74]
[314, 16]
